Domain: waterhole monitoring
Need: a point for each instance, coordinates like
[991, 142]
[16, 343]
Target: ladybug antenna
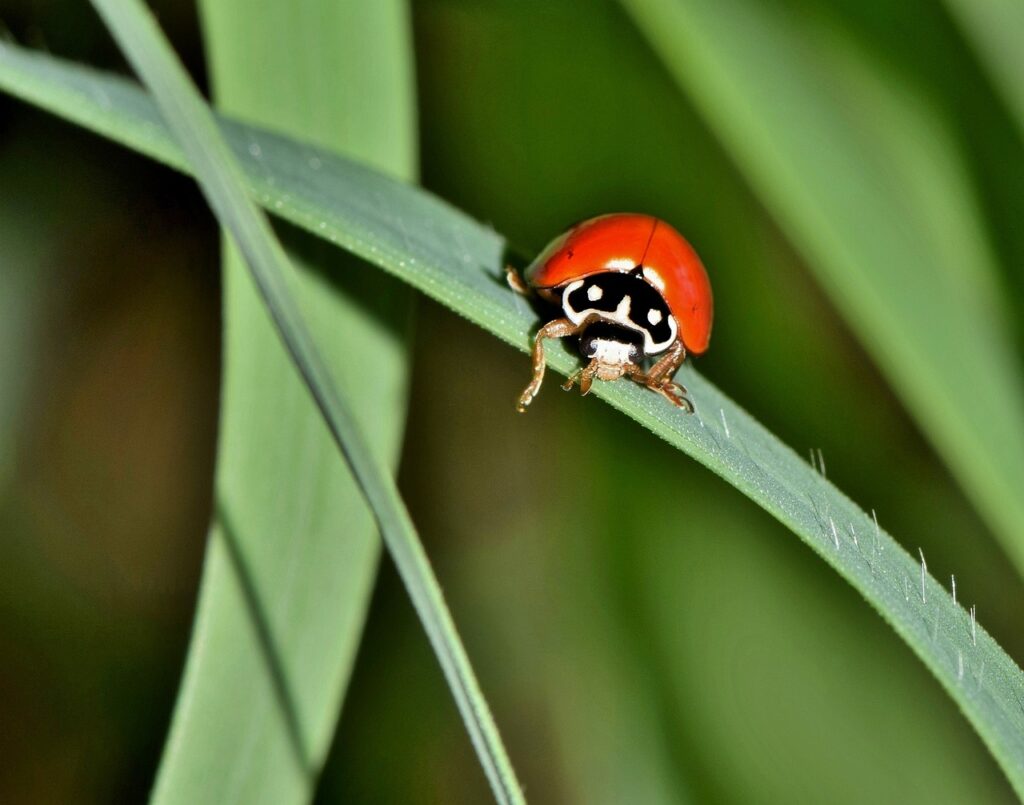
[649, 239]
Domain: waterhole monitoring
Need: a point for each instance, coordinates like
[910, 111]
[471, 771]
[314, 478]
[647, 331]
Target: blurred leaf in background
[871, 190]
[111, 458]
[110, 454]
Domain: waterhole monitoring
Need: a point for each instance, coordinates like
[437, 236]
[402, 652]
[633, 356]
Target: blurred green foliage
[283, 598]
[611, 595]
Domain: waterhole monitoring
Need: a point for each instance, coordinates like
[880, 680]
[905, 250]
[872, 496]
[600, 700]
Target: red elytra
[621, 242]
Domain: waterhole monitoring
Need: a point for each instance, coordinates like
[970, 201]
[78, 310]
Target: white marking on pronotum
[620, 264]
[672, 336]
[835, 534]
[574, 315]
[952, 580]
[924, 573]
[974, 626]
[622, 311]
[724, 423]
[654, 316]
[959, 665]
[594, 293]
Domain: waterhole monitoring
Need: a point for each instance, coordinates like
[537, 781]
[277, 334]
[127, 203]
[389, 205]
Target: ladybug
[629, 287]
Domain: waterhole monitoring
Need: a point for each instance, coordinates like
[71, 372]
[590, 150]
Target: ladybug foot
[581, 376]
[674, 393]
[525, 399]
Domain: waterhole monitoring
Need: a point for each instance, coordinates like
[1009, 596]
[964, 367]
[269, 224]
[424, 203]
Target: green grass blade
[195, 128]
[870, 188]
[293, 552]
[459, 262]
[996, 30]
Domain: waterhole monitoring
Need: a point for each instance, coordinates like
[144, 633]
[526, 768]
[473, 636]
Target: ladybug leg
[668, 364]
[516, 283]
[558, 328]
[659, 379]
[584, 376]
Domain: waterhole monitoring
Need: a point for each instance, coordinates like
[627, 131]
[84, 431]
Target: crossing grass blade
[292, 551]
[193, 125]
[459, 262]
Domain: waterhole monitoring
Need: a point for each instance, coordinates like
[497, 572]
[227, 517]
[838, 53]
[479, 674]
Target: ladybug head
[611, 348]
